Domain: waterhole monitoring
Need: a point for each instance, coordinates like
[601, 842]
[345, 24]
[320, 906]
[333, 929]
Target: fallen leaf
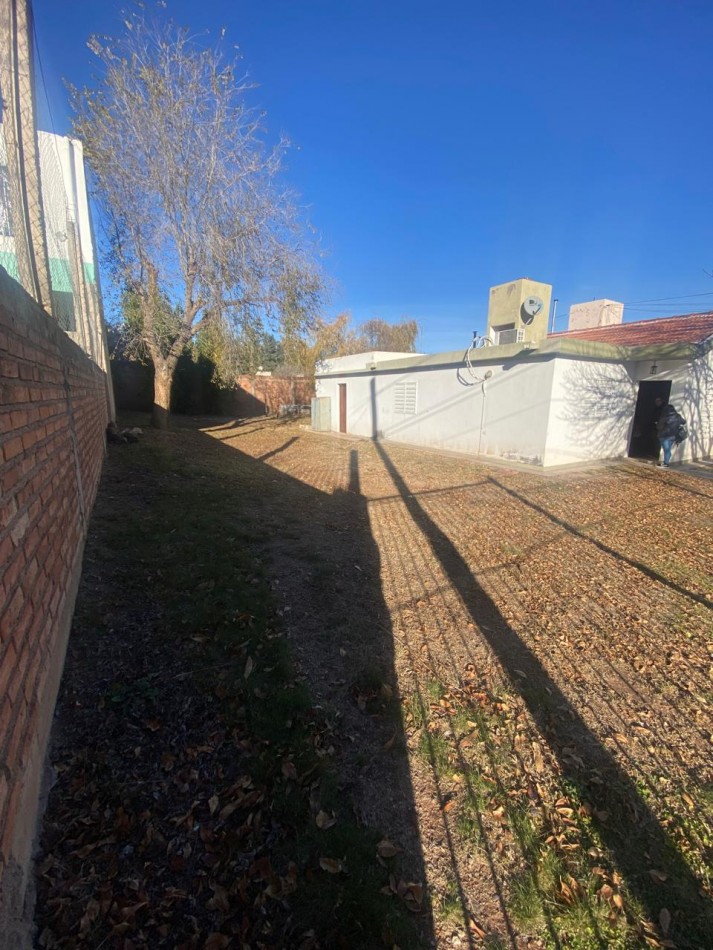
[658, 876]
[386, 849]
[289, 770]
[566, 892]
[476, 930]
[230, 808]
[331, 865]
[664, 920]
[91, 913]
[216, 941]
[413, 897]
[324, 820]
[605, 892]
[249, 667]
[213, 803]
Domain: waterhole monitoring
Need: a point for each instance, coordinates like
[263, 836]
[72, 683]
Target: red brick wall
[53, 414]
[265, 394]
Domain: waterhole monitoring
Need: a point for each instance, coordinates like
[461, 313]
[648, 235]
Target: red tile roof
[688, 328]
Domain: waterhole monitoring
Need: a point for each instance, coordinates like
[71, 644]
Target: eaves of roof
[548, 349]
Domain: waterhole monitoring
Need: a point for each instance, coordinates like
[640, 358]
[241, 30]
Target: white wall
[516, 411]
[556, 411]
[361, 361]
[591, 411]
[692, 396]
[698, 407]
[504, 416]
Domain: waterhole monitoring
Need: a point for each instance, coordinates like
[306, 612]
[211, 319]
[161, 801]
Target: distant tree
[304, 352]
[339, 338]
[397, 337]
[272, 355]
[203, 234]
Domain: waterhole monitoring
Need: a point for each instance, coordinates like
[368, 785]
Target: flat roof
[560, 344]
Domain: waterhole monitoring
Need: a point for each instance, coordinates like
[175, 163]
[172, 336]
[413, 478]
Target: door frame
[643, 442]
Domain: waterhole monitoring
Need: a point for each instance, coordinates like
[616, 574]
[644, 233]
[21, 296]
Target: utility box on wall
[322, 413]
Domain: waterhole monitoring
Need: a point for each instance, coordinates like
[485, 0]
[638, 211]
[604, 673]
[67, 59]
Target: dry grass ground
[516, 670]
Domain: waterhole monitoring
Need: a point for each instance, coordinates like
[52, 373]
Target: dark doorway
[644, 441]
[342, 407]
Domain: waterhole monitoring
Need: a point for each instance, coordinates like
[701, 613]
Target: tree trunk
[161, 410]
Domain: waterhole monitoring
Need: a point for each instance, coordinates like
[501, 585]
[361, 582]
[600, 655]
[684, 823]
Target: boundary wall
[53, 416]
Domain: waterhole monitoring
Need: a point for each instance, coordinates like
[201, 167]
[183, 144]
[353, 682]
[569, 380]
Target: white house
[543, 399]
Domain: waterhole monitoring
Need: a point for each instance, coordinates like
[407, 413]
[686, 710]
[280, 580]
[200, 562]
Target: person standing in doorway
[666, 428]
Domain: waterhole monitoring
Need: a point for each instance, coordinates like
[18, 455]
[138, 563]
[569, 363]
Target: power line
[707, 293]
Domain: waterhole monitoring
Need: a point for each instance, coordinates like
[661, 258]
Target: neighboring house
[563, 398]
[75, 297]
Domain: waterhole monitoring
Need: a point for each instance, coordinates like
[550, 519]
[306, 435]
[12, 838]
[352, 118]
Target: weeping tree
[202, 231]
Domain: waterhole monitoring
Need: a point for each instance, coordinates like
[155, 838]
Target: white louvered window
[405, 397]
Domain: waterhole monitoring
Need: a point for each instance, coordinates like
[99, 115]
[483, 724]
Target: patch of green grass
[436, 690]
[416, 711]
[585, 925]
[526, 903]
[523, 826]
[460, 723]
[436, 751]
[449, 906]
[468, 821]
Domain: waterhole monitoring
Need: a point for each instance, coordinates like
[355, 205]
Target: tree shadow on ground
[229, 508]
[620, 815]
[605, 548]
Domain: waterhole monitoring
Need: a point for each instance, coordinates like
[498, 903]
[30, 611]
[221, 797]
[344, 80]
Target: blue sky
[445, 147]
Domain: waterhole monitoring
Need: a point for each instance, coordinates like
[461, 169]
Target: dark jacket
[668, 423]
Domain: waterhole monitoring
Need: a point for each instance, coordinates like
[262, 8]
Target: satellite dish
[530, 308]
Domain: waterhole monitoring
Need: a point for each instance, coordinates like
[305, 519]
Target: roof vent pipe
[554, 314]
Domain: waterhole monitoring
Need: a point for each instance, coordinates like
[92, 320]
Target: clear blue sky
[448, 146]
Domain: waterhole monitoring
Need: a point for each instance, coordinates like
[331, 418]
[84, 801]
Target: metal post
[554, 314]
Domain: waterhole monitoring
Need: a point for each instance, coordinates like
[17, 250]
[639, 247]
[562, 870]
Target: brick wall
[256, 395]
[53, 413]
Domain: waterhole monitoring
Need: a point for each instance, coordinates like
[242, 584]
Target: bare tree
[198, 217]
